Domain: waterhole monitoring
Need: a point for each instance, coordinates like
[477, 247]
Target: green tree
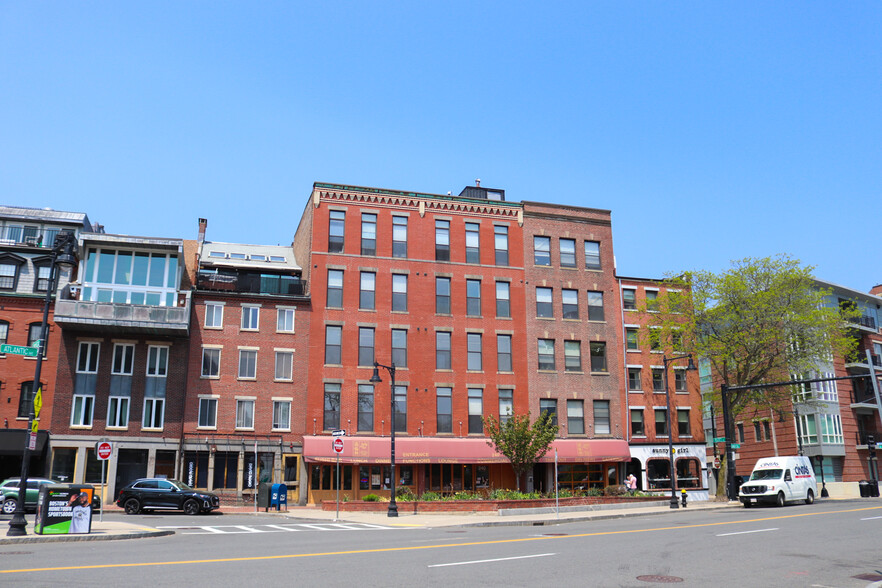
[764, 320]
[521, 442]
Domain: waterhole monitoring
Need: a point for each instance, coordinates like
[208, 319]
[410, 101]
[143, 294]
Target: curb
[104, 536]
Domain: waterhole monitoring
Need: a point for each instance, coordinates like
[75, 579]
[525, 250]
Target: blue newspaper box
[279, 496]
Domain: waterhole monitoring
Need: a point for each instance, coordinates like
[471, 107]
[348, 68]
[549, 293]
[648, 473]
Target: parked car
[779, 480]
[164, 494]
[9, 490]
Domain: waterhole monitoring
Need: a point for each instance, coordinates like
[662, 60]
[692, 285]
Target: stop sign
[103, 449]
[338, 445]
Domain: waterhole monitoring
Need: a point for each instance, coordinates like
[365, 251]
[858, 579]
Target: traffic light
[871, 445]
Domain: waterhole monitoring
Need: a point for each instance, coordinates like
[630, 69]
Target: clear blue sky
[712, 130]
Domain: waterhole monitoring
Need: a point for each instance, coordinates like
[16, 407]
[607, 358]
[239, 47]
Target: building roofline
[565, 207]
[384, 191]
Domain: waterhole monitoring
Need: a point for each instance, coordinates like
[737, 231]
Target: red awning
[415, 450]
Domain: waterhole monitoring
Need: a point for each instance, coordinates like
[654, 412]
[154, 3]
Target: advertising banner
[64, 509]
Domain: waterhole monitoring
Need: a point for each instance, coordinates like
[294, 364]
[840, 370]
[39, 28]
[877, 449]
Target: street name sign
[19, 350]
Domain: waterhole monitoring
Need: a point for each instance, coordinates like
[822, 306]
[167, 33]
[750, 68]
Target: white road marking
[248, 529]
[746, 532]
[477, 561]
[871, 518]
[281, 528]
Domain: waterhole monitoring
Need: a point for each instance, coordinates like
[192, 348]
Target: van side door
[789, 489]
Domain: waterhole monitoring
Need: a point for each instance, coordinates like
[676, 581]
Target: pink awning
[415, 450]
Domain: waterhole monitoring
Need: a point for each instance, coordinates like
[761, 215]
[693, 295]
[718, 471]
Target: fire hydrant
[683, 497]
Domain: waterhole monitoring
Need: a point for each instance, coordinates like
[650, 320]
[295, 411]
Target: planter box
[483, 505]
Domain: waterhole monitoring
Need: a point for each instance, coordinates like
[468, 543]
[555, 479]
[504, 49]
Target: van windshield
[766, 475]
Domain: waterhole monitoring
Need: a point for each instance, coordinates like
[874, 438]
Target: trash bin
[279, 496]
[865, 488]
[874, 489]
[263, 495]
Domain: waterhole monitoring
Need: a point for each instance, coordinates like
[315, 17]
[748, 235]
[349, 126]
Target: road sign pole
[103, 494]
[337, 514]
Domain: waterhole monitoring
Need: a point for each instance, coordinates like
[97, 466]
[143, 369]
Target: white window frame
[150, 404]
[284, 353]
[282, 314]
[211, 348]
[210, 398]
[85, 420]
[122, 405]
[214, 320]
[241, 402]
[253, 311]
[277, 403]
[247, 350]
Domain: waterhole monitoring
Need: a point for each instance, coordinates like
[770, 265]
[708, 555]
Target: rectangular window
[661, 422]
[595, 306]
[4, 332]
[637, 428]
[549, 406]
[546, 354]
[87, 358]
[442, 295]
[244, 414]
[503, 300]
[629, 299]
[43, 273]
[285, 320]
[399, 236]
[476, 411]
[503, 353]
[210, 362]
[651, 300]
[123, 359]
[739, 432]
[214, 315]
[247, 364]
[570, 303]
[367, 291]
[157, 361]
[442, 240]
[575, 417]
[473, 242]
[442, 350]
[365, 346]
[541, 250]
[336, 225]
[331, 420]
[658, 380]
[500, 244]
[680, 380]
[573, 356]
[8, 276]
[154, 390]
[757, 430]
[808, 429]
[598, 356]
[399, 292]
[567, 253]
[335, 288]
[284, 365]
[473, 343]
[400, 407]
[506, 405]
[365, 408]
[632, 339]
[592, 255]
[654, 339]
[208, 413]
[154, 412]
[34, 336]
[473, 297]
[683, 428]
[601, 417]
[831, 428]
[81, 411]
[634, 380]
[368, 234]
[444, 410]
[399, 347]
[250, 317]
[117, 411]
[281, 415]
[768, 429]
[544, 308]
[333, 344]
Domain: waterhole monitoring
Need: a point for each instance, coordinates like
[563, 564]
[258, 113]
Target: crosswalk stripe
[281, 528]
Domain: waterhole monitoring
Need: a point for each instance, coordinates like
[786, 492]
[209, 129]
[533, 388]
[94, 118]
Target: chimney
[477, 182]
[203, 223]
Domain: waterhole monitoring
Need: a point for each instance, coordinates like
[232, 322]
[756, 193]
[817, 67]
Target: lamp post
[375, 379]
[690, 367]
[63, 254]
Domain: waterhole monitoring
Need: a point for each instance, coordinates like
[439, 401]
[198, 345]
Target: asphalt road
[826, 544]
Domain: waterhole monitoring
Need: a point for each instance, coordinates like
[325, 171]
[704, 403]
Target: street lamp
[63, 254]
[690, 368]
[375, 379]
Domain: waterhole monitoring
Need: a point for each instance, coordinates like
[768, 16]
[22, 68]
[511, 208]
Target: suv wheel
[9, 505]
[191, 507]
[780, 499]
[810, 497]
[132, 506]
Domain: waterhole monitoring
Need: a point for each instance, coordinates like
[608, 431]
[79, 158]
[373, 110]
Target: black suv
[163, 494]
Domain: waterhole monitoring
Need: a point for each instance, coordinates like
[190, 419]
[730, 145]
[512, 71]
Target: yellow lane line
[423, 547]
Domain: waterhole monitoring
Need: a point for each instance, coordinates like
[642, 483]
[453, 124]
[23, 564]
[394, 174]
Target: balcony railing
[862, 436]
[865, 321]
[116, 317]
[251, 283]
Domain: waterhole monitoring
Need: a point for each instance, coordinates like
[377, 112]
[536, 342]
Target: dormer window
[237, 256]
[278, 258]
[220, 254]
[258, 258]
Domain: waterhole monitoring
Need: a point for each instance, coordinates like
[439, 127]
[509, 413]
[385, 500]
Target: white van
[777, 480]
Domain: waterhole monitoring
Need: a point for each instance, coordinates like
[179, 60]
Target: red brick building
[27, 236]
[246, 391]
[649, 427]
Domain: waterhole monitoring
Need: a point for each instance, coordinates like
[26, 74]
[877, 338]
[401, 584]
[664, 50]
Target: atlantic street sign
[19, 350]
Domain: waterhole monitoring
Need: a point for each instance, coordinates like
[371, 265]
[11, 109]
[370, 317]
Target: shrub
[371, 498]
[593, 492]
[466, 495]
[429, 496]
[615, 490]
[405, 494]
